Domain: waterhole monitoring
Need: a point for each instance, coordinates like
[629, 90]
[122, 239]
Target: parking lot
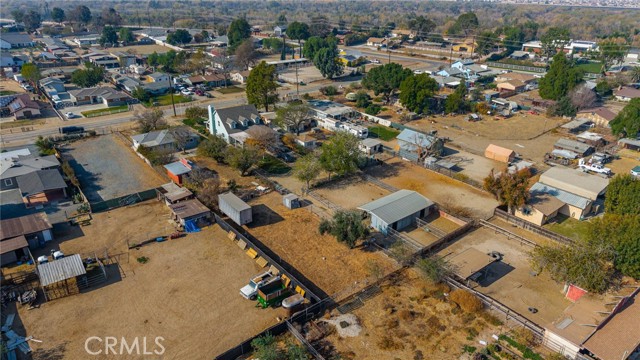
[108, 169]
[196, 301]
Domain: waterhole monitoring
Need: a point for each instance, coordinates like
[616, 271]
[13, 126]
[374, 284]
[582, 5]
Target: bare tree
[583, 98]
[293, 116]
[263, 137]
[208, 192]
[149, 120]
[181, 136]
[246, 54]
[225, 64]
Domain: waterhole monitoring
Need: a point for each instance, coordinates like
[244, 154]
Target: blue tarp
[190, 226]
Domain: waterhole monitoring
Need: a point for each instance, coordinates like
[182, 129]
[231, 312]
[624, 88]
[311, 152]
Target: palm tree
[634, 74]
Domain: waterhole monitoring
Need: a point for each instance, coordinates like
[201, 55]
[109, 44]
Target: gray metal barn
[397, 210]
[236, 209]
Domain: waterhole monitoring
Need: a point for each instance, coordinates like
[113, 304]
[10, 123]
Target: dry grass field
[293, 235]
[184, 293]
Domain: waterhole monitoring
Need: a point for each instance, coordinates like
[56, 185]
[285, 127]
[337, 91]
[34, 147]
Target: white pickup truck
[250, 291]
[597, 168]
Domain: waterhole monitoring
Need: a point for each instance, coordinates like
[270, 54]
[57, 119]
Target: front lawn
[569, 227]
[196, 124]
[163, 100]
[230, 90]
[105, 111]
[7, 92]
[591, 67]
[273, 166]
[383, 132]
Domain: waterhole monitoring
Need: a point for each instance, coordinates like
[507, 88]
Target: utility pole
[297, 83]
[173, 103]
[283, 56]
[473, 45]
[451, 57]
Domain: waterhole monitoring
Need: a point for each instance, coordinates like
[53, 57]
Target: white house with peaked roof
[231, 123]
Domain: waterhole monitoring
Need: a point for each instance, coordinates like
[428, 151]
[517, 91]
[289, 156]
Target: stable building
[398, 210]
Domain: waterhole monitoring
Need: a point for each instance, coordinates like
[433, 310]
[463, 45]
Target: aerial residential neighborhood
[320, 180]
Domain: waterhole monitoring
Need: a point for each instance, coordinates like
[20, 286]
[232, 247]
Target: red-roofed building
[600, 116]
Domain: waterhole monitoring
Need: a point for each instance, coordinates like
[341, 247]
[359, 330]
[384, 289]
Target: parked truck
[250, 291]
[70, 129]
[272, 294]
[595, 167]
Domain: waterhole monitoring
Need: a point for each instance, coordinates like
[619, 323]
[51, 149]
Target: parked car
[186, 92]
[199, 92]
[250, 291]
[70, 115]
[287, 157]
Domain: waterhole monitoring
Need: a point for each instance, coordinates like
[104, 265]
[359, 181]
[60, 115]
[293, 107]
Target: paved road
[21, 138]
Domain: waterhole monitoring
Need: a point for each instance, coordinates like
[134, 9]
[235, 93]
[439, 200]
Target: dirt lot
[351, 193]
[184, 293]
[474, 166]
[107, 168]
[522, 133]
[627, 161]
[293, 235]
[412, 317]
[439, 188]
[140, 49]
[10, 85]
[510, 280]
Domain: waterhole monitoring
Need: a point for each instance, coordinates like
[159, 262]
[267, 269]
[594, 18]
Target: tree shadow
[385, 170]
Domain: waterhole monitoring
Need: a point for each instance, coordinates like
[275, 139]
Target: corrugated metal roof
[62, 269]
[397, 206]
[416, 138]
[24, 225]
[8, 245]
[177, 168]
[572, 145]
[564, 196]
[575, 181]
[235, 202]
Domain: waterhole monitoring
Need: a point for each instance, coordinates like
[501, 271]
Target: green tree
[326, 60]
[561, 78]
[109, 36]
[31, 73]
[242, 159]
[513, 38]
[195, 112]
[214, 147]
[57, 15]
[17, 15]
[456, 102]
[634, 74]
[238, 31]
[509, 188]
[554, 38]
[292, 116]
[307, 169]
[564, 107]
[45, 146]
[265, 347]
[612, 52]
[346, 227]
[126, 35]
[623, 196]
[341, 155]
[422, 26]
[180, 36]
[261, 86]
[486, 43]
[622, 231]
[362, 99]
[298, 31]
[90, 76]
[466, 24]
[603, 88]
[141, 94]
[32, 20]
[313, 45]
[386, 79]
[416, 92]
[80, 14]
[627, 122]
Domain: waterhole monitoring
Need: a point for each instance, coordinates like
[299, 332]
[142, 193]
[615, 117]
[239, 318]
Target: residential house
[129, 84]
[15, 163]
[451, 71]
[361, 132]
[575, 181]
[306, 141]
[105, 60]
[574, 205]
[8, 59]
[282, 65]
[376, 42]
[33, 230]
[42, 187]
[573, 47]
[370, 146]
[106, 95]
[626, 93]
[212, 80]
[601, 116]
[520, 55]
[20, 107]
[468, 46]
[591, 138]
[177, 170]
[351, 58]
[397, 210]
[124, 59]
[10, 40]
[400, 33]
[525, 78]
[232, 122]
[462, 63]
[415, 146]
[540, 208]
[240, 77]
[330, 114]
[576, 146]
[280, 30]
[511, 85]
[165, 140]
[89, 40]
[53, 44]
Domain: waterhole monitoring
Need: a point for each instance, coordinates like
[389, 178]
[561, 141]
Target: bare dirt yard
[351, 193]
[434, 186]
[293, 235]
[627, 161]
[107, 168]
[412, 319]
[186, 293]
[511, 280]
[140, 49]
[527, 134]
